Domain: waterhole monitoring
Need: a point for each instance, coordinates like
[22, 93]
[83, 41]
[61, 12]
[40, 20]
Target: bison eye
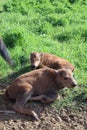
[65, 78]
[38, 59]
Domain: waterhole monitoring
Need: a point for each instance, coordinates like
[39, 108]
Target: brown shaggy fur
[40, 60]
[41, 84]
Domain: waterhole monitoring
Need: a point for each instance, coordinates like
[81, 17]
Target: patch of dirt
[49, 117]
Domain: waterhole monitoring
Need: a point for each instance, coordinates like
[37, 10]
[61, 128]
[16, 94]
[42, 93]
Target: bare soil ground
[50, 118]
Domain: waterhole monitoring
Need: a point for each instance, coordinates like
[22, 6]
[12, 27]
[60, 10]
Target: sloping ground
[50, 118]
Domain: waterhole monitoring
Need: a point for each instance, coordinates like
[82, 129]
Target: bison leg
[21, 101]
[45, 98]
[4, 53]
[49, 98]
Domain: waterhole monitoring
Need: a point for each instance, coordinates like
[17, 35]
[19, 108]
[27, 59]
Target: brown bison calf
[40, 60]
[41, 84]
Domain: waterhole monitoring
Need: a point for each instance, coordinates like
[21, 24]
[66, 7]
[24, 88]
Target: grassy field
[57, 27]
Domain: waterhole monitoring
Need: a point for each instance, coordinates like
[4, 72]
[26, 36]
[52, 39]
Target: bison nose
[74, 84]
[32, 66]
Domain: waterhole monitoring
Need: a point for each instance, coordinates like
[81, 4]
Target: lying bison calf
[41, 84]
[40, 60]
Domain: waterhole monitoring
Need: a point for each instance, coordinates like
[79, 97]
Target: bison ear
[41, 54]
[32, 53]
[62, 73]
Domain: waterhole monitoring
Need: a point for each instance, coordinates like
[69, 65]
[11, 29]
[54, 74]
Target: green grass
[57, 27]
